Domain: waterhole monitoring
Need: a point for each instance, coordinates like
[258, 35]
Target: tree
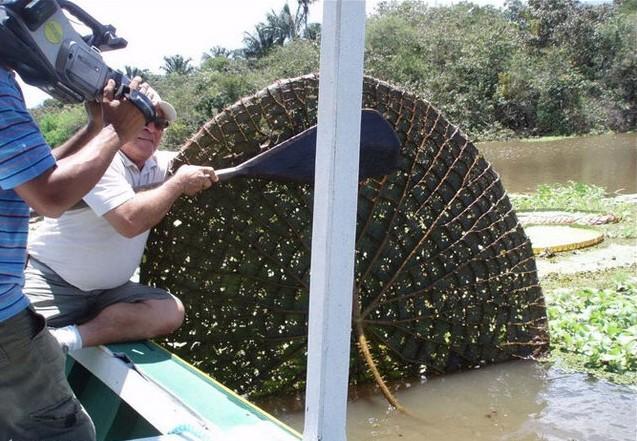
[279, 29]
[132, 72]
[284, 26]
[312, 32]
[177, 64]
[258, 43]
[217, 51]
[303, 11]
[482, 66]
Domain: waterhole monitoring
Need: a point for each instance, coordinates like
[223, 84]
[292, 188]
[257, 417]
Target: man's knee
[171, 314]
[179, 314]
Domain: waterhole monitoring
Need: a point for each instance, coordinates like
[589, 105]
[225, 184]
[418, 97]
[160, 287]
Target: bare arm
[84, 162]
[85, 134]
[64, 184]
[148, 208]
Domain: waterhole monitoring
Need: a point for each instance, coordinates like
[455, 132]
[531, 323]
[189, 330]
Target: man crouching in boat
[80, 264]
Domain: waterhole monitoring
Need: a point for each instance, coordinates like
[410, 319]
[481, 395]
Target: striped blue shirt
[24, 155]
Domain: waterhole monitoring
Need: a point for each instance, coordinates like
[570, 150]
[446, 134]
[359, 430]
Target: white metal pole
[334, 223]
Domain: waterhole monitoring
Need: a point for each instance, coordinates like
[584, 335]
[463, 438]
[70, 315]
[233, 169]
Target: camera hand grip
[142, 102]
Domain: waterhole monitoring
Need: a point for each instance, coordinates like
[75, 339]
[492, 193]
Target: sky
[158, 28]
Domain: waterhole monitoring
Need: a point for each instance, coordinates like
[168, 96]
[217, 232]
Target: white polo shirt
[81, 246]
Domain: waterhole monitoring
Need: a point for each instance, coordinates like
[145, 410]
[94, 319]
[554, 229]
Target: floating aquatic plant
[445, 277]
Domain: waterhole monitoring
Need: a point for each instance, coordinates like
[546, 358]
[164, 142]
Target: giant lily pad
[445, 277]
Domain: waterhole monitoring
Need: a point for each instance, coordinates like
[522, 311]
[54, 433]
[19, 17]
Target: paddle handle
[228, 173]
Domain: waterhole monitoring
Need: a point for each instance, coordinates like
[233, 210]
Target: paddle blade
[294, 159]
[380, 146]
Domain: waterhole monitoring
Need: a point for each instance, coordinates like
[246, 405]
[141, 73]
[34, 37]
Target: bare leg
[133, 321]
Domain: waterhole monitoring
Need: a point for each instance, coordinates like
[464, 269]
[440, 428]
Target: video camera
[38, 41]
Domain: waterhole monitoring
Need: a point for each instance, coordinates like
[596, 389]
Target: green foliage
[257, 43]
[585, 63]
[627, 6]
[59, 123]
[181, 91]
[132, 71]
[217, 52]
[222, 80]
[573, 196]
[280, 28]
[618, 72]
[627, 229]
[576, 196]
[599, 324]
[292, 60]
[450, 55]
[226, 89]
[199, 96]
[549, 67]
[177, 64]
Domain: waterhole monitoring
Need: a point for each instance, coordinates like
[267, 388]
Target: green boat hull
[141, 391]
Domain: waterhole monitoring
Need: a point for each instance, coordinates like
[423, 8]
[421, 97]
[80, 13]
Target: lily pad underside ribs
[445, 277]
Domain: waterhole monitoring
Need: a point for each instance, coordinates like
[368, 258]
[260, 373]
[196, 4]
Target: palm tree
[258, 43]
[132, 72]
[303, 11]
[217, 51]
[284, 26]
[177, 64]
[279, 28]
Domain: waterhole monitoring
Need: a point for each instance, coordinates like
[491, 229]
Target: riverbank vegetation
[573, 196]
[593, 323]
[592, 316]
[557, 67]
[577, 196]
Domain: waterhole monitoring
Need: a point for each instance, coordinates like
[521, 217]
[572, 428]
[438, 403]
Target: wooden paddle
[293, 159]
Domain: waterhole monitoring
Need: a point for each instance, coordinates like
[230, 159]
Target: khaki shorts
[37, 403]
[63, 304]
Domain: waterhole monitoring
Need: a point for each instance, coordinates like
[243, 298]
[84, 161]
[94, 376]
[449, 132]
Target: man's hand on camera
[125, 117]
[95, 116]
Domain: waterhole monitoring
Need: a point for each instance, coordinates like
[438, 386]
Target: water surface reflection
[517, 401]
[609, 161]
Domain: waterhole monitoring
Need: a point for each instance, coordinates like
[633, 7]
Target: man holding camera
[37, 402]
[80, 264]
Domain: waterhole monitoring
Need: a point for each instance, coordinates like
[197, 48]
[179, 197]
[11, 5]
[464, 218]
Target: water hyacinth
[598, 324]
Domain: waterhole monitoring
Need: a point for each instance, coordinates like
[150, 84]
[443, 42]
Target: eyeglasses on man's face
[160, 123]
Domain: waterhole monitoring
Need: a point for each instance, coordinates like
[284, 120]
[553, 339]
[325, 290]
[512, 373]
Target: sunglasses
[160, 123]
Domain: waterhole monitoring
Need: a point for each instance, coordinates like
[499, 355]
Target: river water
[515, 401]
[609, 161]
[522, 400]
